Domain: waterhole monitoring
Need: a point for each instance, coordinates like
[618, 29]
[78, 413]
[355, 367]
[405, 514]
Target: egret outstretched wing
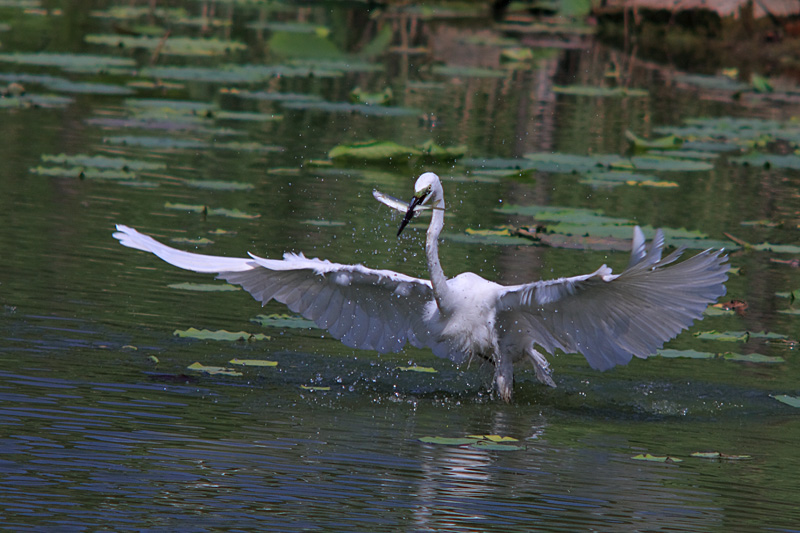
[364, 308]
[610, 318]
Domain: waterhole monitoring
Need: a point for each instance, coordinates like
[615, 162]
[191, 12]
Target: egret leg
[503, 375]
[541, 367]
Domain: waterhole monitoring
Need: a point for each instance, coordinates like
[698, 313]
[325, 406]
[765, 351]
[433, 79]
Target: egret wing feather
[611, 318]
[365, 308]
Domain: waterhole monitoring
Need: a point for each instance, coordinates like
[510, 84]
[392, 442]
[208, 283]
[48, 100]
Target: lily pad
[136, 12]
[345, 107]
[83, 173]
[202, 241]
[181, 46]
[717, 311]
[793, 401]
[214, 370]
[790, 161]
[669, 142]
[424, 369]
[253, 362]
[173, 143]
[657, 458]
[373, 151]
[204, 287]
[452, 71]
[568, 163]
[500, 237]
[728, 356]
[283, 321]
[313, 388]
[119, 163]
[360, 96]
[689, 354]
[271, 96]
[494, 438]
[220, 185]
[720, 83]
[323, 223]
[33, 101]
[211, 211]
[752, 358]
[585, 90]
[737, 336]
[219, 335]
[495, 447]
[669, 164]
[719, 455]
[81, 63]
[449, 441]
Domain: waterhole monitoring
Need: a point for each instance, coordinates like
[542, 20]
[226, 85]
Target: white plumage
[606, 317]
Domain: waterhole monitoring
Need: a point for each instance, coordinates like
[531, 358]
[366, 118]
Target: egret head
[426, 187]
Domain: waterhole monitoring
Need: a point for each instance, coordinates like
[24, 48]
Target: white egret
[609, 318]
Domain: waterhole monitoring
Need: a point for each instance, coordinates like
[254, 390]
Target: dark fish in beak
[417, 200]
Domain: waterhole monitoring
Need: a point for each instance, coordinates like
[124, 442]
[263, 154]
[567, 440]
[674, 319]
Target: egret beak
[417, 200]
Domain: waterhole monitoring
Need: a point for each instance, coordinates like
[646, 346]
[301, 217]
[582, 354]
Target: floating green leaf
[202, 241]
[373, 151]
[568, 163]
[84, 63]
[345, 107]
[669, 164]
[213, 370]
[467, 72]
[33, 101]
[253, 362]
[584, 90]
[204, 287]
[720, 83]
[283, 321]
[719, 455]
[669, 142]
[481, 442]
[210, 211]
[424, 369]
[718, 311]
[614, 178]
[793, 401]
[793, 295]
[494, 438]
[689, 354]
[119, 163]
[728, 356]
[357, 95]
[220, 185]
[760, 84]
[83, 173]
[495, 447]
[219, 335]
[449, 441]
[737, 336]
[291, 27]
[323, 223]
[172, 143]
[314, 388]
[182, 46]
[790, 161]
[752, 358]
[135, 12]
[516, 53]
[657, 458]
